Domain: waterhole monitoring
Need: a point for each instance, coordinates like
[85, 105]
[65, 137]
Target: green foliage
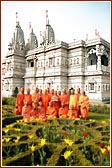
[85, 152]
[103, 109]
[8, 101]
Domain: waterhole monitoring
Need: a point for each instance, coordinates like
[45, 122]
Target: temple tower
[13, 66]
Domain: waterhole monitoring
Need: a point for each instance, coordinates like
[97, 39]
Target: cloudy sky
[69, 19]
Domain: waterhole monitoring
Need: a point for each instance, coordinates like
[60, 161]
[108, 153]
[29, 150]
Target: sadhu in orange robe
[73, 103]
[65, 100]
[26, 112]
[72, 113]
[34, 112]
[84, 105]
[45, 99]
[51, 113]
[28, 97]
[41, 111]
[19, 102]
[63, 113]
[55, 101]
[35, 97]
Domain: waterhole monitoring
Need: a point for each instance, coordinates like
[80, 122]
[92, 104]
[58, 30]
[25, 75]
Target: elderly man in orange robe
[65, 99]
[40, 93]
[63, 113]
[45, 99]
[20, 101]
[84, 105]
[28, 97]
[72, 113]
[78, 94]
[51, 112]
[73, 101]
[41, 111]
[35, 97]
[34, 112]
[56, 101]
[26, 111]
[51, 93]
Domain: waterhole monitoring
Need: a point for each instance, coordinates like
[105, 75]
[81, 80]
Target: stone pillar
[35, 70]
[98, 54]
[99, 67]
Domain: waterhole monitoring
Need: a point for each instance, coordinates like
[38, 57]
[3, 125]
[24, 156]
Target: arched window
[92, 85]
[77, 60]
[92, 59]
[32, 63]
[104, 60]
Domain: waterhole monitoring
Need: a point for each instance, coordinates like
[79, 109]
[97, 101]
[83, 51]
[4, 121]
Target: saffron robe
[28, 98]
[51, 113]
[84, 105]
[63, 113]
[19, 103]
[26, 112]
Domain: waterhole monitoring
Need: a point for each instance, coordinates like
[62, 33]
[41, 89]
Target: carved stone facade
[84, 64]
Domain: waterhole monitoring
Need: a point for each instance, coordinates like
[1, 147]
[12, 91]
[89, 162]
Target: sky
[69, 19]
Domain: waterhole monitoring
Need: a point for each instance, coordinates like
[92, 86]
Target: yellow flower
[17, 129]
[103, 122]
[67, 154]
[103, 150]
[19, 121]
[43, 142]
[16, 140]
[30, 136]
[7, 126]
[32, 148]
[6, 130]
[7, 139]
[108, 147]
[68, 141]
[18, 137]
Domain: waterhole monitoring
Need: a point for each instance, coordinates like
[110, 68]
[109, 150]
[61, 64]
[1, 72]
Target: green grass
[99, 116]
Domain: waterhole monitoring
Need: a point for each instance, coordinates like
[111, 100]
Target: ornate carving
[92, 51]
[100, 50]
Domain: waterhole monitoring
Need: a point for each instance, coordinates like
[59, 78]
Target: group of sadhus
[51, 104]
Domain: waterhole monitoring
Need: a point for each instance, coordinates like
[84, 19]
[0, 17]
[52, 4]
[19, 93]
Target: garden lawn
[99, 117]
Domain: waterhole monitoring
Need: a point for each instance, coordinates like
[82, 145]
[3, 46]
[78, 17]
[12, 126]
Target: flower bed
[58, 142]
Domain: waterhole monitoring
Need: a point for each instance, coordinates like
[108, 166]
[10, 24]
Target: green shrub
[103, 109]
[8, 101]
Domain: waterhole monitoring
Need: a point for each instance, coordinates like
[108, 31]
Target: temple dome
[32, 41]
[49, 33]
[17, 41]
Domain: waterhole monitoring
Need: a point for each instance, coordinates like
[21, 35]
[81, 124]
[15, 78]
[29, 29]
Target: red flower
[65, 132]
[102, 145]
[107, 152]
[85, 134]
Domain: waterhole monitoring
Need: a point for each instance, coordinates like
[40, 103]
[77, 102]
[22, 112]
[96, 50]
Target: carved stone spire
[32, 41]
[17, 41]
